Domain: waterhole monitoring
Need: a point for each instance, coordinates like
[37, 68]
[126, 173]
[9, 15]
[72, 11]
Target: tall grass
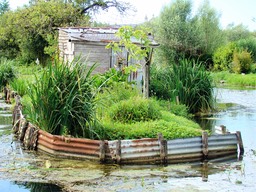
[193, 85]
[187, 80]
[232, 79]
[7, 71]
[63, 100]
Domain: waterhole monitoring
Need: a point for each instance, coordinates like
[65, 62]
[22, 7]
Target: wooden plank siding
[93, 54]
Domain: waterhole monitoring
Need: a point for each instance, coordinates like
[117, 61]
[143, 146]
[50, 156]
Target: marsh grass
[20, 86]
[187, 80]
[234, 79]
[63, 100]
[7, 71]
[193, 85]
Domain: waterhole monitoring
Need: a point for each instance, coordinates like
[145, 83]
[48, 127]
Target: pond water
[233, 174]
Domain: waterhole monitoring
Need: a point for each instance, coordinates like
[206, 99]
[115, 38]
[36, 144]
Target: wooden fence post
[163, 148]
[205, 144]
[240, 142]
[118, 151]
[102, 154]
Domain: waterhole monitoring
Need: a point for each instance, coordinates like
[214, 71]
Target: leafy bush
[7, 71]
[135, 109]
[159, 82]
[223, 57]
[241, 62]
[248, 44]
[177, 109]
[63, 100]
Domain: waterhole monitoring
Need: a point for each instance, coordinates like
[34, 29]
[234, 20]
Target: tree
[4, 6]
[235, 33]
[211, 36]
[178, 36]
[35, 27]
[93, 6]
[138, 51]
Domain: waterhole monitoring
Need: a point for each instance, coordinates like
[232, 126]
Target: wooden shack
[89, 44]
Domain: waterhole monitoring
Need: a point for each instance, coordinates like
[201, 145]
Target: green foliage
[159, 82]
[113, 76]
[7, 72]
[4, 6]
[248, 44]
[211, 36]
[232, 79]
[176, 109]
[236, 33]
[63, 100]
[31, 30]
[126, 34]
[134, 109]
[20, 86]
[223, 57]
[170, 126]
[188, 81]
[177, 32]
[241, 62]
[113, 94]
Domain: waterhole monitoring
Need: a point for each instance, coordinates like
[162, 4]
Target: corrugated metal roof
[104, 35]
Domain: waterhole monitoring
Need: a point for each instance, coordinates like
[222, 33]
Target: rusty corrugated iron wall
[139, 151]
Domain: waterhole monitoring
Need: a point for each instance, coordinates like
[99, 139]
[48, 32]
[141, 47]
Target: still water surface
[232, 175]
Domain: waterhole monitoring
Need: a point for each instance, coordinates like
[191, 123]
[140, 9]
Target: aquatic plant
[189, 82]
[63, 99]
[7, 71]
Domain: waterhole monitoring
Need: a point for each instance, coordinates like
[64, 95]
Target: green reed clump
[193, 85]
[7, 71]
[63, 99]
[187, 80]
[20, 86]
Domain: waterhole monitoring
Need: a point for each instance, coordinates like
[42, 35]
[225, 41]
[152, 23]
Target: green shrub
[253, 68]
[248, 44]
[177, 109]
[63, 100]
[223, 57]
[242, 62]
[159, 82]
[7, 71]
[135, 109]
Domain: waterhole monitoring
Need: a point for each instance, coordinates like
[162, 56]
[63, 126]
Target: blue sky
[231, 11]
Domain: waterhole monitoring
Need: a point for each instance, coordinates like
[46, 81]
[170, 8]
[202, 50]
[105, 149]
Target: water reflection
[8, 186]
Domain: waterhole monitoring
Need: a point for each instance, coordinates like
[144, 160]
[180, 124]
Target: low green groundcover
[170, 125]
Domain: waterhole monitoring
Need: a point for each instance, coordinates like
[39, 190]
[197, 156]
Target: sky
[231, 11]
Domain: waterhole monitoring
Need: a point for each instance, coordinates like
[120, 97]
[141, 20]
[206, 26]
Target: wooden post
[163, 148]
[223, 129]
[205, 144]
[146, 81]
[205, 171]
[118, 151]
[240, 142]
[177, 100]
[146, 74]
[102, 154]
